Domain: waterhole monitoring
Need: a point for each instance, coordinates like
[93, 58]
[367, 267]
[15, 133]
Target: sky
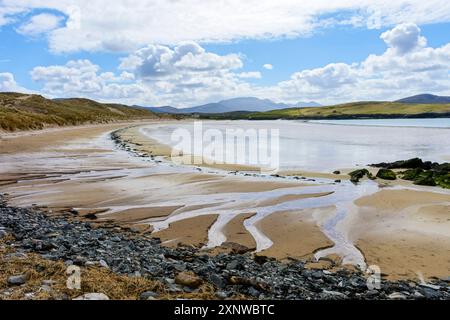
[185, 53]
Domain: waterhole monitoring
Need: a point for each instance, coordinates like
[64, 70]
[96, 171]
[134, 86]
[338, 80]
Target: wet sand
[403, 231]
[294, 234]
[192, 231]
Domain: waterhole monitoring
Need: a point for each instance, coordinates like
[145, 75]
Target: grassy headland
[30, 112]
[356, 110]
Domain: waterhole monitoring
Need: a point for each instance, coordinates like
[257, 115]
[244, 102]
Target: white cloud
[180, 76]
[404, 38]
[9, 84]
[82, 78]
[268, 66]
[40, 23]
[157, 61]
[126, 25]
[187, 75]
[8, 13]
[406, 67]
[250, 75]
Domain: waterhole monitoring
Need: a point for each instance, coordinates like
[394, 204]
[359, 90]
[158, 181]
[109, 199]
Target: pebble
[221, 295]
[188, 279]
[147, 295]
[397, 296]
[93, 296]
[103, 264]
[18, 280]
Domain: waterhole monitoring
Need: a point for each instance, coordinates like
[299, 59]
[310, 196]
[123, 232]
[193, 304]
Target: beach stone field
[68, 239]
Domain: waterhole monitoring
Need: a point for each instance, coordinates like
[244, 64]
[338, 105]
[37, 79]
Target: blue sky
[151, 55]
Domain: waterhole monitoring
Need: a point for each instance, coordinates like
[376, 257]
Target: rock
[357, 175]
[430, 286]
[188, 279]
[386, 174]
[103, 264]
[372, 293]
[90, 263]
[221, 295]
[45, 288]
[233, 265]
[425, 179]
[180, 266]
[397, 296]
[260, 259]
[18, 280]
[148, 295]
[402, 164]
[411, 174]
[3, 234]
[236, 248]
[218, 281]
[90, 216]
[430, 293]
[93, 296]
[337, 172]
[48, 282]
[335, 294]
[253, 292]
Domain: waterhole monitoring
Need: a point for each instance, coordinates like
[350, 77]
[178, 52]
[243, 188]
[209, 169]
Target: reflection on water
[324, 148]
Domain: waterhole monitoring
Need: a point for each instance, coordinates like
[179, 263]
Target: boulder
[411, 174]
[425, 179]
[386, 174]
[357, 175]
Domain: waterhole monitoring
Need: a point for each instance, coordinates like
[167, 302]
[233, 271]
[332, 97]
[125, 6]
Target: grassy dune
[347, 111]
[28, 112]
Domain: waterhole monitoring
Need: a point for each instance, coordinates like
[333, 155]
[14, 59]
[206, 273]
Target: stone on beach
[188, 279]
[93, 296]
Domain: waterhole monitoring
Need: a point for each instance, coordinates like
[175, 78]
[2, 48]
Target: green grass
[345, 111]
[29, 112]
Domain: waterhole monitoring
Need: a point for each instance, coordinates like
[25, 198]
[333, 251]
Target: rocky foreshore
[66, 238]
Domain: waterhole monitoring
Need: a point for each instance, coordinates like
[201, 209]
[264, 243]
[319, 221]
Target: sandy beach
[403, 230]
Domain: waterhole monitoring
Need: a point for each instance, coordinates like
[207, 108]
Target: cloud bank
[92, 25]
[187, 74]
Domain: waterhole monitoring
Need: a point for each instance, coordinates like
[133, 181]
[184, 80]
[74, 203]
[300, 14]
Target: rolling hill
[357, 110]
[26, 112]
[425, 99]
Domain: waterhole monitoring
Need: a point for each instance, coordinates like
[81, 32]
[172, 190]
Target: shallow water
[325, 147]
[420, 123]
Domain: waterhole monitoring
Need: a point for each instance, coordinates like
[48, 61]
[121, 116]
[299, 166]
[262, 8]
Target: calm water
[325, 147]
[427, 123]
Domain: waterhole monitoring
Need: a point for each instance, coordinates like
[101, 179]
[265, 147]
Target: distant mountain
[232, 105]
[165, 109]
[424, 99]
[303, 104]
